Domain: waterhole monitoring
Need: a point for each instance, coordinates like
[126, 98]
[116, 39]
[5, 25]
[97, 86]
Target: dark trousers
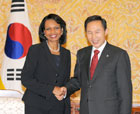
[36, 110]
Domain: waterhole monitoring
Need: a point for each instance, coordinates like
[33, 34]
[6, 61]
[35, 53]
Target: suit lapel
[62, 59]
[103, 59]
[87, 61]
[48, 56]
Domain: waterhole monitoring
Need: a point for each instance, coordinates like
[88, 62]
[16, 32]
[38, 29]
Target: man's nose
[93, 36]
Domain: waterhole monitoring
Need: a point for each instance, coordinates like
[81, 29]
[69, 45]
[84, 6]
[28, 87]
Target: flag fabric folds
[18, 41]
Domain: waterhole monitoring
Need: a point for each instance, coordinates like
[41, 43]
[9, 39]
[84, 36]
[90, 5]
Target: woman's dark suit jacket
[40, 75]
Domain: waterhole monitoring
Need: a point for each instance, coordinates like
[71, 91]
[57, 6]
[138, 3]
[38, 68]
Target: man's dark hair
[96, 18]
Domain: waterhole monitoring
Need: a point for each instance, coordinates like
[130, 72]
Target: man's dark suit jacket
[110, 90]
[40, 75]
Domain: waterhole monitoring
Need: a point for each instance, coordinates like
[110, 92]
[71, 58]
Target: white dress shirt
[99, 49]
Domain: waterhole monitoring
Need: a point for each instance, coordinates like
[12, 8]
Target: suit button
[87, 99]
[90, 86]
[57, 75]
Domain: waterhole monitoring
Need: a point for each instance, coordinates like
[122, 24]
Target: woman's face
[53, 30]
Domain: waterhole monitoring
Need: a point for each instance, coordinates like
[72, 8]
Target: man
[108, 88]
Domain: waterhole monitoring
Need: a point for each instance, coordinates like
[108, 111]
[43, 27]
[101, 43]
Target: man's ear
[106, 32]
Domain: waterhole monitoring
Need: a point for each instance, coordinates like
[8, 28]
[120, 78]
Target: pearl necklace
[53, 49]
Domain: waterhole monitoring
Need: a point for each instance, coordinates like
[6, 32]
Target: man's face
[95, 33]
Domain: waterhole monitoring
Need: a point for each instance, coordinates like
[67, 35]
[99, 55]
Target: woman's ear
[43, 33]
[62, 31]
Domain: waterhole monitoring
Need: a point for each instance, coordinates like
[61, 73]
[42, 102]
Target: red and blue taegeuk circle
[18, 41]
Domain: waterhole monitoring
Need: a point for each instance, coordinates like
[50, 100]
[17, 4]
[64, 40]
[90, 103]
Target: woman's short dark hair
[96, 18]
[60, 21]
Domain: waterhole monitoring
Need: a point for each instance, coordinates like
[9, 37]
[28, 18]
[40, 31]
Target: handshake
[60, 92]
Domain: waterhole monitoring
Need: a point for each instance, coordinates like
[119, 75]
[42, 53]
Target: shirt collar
[100, 48]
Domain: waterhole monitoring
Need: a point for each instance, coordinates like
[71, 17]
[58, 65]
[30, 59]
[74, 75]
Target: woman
[47, 67]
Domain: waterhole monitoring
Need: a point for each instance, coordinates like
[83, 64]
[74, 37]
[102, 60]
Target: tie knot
[96, 52]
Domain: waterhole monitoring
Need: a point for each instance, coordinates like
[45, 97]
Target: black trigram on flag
[17, 6]
[13, 74]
